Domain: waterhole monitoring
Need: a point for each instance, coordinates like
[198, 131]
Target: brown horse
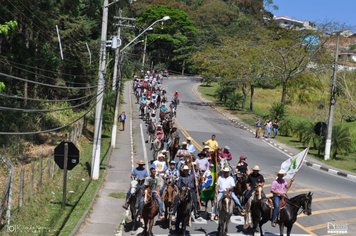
[150, 210]
[226, 208]
[240, 186]
[168, 197]
[173, 147]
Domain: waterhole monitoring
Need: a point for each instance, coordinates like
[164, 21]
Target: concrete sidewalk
[107, 212]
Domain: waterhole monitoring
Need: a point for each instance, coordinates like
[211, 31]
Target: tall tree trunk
[252, 93]
[284, 92]
[244, 95]
[183, 67]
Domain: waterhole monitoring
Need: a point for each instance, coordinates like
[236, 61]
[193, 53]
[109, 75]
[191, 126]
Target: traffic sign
[73, 155]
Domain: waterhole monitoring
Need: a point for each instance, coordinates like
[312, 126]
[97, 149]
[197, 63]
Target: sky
[319, 11]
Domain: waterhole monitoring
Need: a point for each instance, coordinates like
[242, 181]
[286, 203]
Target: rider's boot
[126, 205]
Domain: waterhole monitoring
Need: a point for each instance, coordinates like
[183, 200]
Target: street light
[144, 49]
[116, 113]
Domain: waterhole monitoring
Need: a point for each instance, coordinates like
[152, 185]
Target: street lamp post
[332, 102]
[116, 112]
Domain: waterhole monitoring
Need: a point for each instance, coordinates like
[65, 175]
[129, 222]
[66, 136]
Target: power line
[6, 61]
[44, 84]
[45, 100]
[47, 110]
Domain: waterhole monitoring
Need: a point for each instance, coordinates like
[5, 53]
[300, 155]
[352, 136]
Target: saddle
[282, 203]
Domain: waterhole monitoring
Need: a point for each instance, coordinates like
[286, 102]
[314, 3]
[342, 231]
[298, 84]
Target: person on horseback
[242, 166]
[212, 143]
[182, 155]
[159, 133]
[226, 156]
[252, 180]
[160, 165]
[279, 189]
[190, 147]
[171, 174]
[153, 182]
[202, 162]
[187, 180]
[139, 173]
[227, 183]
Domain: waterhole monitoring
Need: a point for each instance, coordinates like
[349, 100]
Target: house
[290, 23]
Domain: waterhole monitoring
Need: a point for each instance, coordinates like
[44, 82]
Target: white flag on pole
[293, 164]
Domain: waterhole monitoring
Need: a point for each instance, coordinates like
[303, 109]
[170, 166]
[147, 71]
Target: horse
[150, 210]
[240, 185]
[173, 147]
[250, 204]
[288, 214]
[184, 210]
[226, 208]
[167, 125]
[135, 193]
[168, 197]
[156, 146]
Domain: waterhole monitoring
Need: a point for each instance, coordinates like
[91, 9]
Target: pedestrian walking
[275, 126]
[122, 119]
[258, 127]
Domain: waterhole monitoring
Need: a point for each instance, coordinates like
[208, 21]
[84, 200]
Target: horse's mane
[298, 198]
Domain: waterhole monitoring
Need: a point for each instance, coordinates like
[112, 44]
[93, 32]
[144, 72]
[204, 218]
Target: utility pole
[95, 162]
[117, 73]
[144, 52]
[332, 102]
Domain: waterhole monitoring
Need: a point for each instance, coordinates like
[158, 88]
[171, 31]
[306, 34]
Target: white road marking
[144, 147]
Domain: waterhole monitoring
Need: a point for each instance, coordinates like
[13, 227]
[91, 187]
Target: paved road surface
[334, 199]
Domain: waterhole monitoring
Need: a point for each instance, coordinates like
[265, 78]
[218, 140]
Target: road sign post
[66, 156]
[65, 170]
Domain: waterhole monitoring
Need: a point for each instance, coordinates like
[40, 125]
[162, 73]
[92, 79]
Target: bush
[278, 111]
[287, 127]
[233, 100]
[341, 142]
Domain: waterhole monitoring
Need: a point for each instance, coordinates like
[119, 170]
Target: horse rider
[226, 156]
[202, 162]
[154, 182]
[227, 183]
[160, 133]
[279, 190]
[206, 151]
[182, 155]
[242, 166]
[252, 180]
[160, 165]
[190, 147]
[212, 143]
[139, 173]
[163, 152]
[187, 180]
[171, 174]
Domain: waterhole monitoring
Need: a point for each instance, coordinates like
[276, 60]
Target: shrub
[278, 111]
[287, 127]
[341, 142]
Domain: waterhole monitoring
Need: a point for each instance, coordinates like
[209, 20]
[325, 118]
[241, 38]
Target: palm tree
[341, 141]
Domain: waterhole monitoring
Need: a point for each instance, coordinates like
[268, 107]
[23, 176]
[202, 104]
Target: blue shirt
[140, 173]
[187, 181]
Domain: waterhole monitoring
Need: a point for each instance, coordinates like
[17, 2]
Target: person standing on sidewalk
[258, 127]
[122, 119]
[275, 126]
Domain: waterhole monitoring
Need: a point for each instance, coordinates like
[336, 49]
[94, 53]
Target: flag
[293, 164]
[208, 187]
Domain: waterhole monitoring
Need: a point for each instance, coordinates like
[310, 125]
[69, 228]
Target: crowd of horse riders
[179, 179]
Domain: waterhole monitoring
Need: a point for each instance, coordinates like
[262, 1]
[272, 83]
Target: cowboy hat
[256, 167]
[185, 167]
[184, 143]
[226, 169]
[164, 151]
[141, 162]
[281, 172]
[227, 147]
[189, 138]
[206, 147]
[160, 155]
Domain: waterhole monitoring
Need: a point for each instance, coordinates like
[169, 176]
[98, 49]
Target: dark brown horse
[261, 212]
[240, 186]
[168, 197]
[226, 208]
[184, 210]
[150, 210]
[173, 147]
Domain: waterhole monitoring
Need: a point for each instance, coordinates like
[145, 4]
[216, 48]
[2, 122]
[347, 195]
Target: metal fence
[24, 182]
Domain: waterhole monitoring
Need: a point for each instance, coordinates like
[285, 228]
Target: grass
[119, 195]
[43, 215]
[264, 98]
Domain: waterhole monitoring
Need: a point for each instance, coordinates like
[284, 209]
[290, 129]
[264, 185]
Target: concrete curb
[239, 124]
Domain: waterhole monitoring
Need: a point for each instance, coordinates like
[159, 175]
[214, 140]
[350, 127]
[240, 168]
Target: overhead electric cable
[45, 100]
[44, 84]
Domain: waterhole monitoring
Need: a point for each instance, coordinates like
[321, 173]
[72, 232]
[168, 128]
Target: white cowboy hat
[161, 155]
[164, 151]
[226, 169]
[184, 143]
[185, 167]
[256, 167]
[189, 138]
[206, 146]
[227, 147]
[281, 172]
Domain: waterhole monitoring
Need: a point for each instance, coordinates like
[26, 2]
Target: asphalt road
[334, 199]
